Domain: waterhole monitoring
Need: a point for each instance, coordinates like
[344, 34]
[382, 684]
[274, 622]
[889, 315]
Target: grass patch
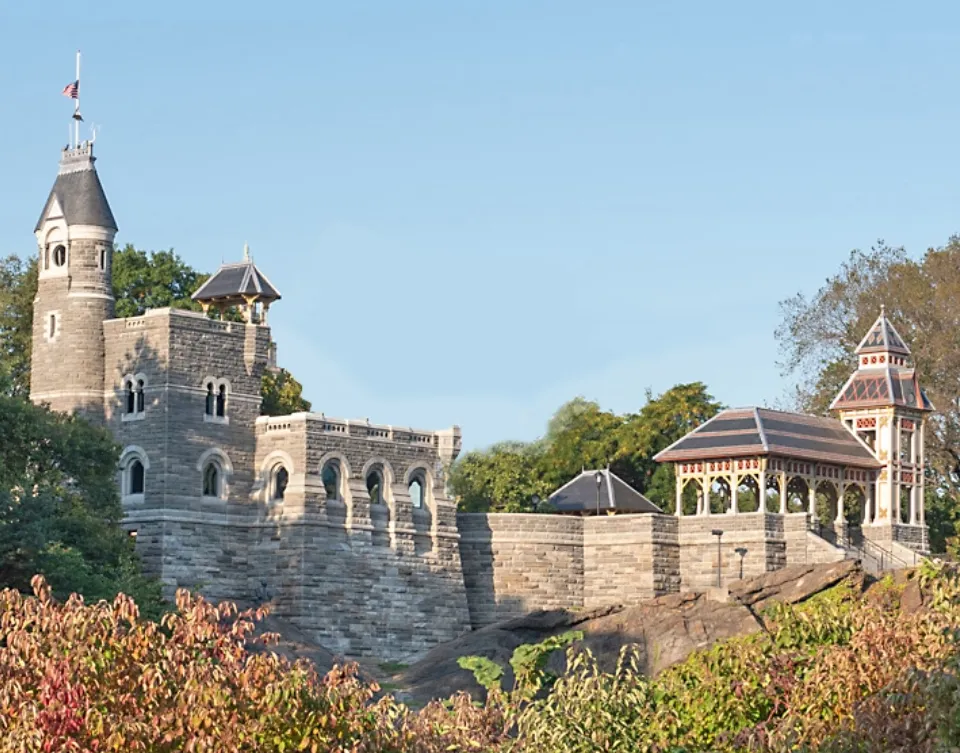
[392, 667]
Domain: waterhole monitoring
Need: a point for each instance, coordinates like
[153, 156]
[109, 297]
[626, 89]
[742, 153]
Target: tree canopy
[818, 336]
[59, 507]
[511, 477]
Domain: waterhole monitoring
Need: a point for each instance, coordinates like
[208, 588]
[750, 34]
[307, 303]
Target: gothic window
[140, 399]
[60, 255]
[278, 482]
[222, 401]
[330, 475]
[211, 399]
[130, 399]
[375, 486]
[416, 488]
[212, 479]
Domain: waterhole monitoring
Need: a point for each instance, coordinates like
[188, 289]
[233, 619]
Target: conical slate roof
[78, 191]
[883, 338]
[580, 495]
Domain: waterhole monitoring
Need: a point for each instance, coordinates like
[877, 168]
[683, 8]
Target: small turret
[75, 235]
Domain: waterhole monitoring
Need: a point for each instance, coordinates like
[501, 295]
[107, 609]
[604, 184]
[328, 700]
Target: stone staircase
[874, 558]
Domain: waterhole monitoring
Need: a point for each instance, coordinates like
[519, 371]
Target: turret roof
[883, 338]
[79, 192]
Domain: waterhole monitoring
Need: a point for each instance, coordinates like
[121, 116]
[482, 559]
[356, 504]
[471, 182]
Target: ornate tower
[883, 404]
[74, 297]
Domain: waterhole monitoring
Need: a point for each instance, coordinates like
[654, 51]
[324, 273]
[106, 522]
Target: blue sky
[476, 210]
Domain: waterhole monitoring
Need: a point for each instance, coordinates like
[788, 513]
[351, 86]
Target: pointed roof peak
[78, 191]
[883, 338]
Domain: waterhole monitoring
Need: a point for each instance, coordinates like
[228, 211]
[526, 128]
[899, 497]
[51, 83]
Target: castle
[346, 526]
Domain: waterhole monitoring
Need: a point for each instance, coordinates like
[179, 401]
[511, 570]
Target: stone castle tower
[75, 235]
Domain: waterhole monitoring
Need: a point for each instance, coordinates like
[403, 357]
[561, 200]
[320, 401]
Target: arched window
[130, 399]
[375, 486]
[278, 482]
[212, 480]
[330, 475]
[60, 255]
[211, 399]
[46, 257]
[137, 474]
[222, 401]
[140, 400]
[416, 488]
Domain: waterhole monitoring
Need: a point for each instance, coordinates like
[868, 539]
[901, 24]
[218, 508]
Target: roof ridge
[760, 431]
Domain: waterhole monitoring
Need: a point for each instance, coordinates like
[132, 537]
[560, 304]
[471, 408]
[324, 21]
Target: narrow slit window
[211, 399]
[130, 401]
[280, 480]
[136, 477]
[222, 401]
[140, 399]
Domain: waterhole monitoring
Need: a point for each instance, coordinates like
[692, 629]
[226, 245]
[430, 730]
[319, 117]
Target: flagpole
[76, 108]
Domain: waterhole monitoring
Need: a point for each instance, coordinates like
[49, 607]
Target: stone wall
[761, 535]
[514, 563]
[629, 558]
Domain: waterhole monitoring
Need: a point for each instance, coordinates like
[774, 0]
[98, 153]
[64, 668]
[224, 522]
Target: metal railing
[853, 541]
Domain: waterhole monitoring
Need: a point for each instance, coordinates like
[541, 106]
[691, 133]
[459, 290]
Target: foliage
[509, 477]
[18, 285]
[282, 394]
[836, 673]
[143, 281]
[818, 336]
[59, 509]
[75, 677]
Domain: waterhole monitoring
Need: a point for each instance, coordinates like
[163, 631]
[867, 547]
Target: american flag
[72, 90]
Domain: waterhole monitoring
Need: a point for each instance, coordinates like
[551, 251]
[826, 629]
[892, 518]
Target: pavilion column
[734, 483]
[920, 476]
[913, 502]
[703, 506]
[869, 501]
[840, 495]
[679, 495]
[783, 493]
[812, 503]
[762, 491]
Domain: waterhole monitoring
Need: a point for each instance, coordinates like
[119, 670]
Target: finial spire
[246, 252]
[883, 309]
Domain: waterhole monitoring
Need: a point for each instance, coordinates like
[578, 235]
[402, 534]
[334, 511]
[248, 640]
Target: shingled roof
[78, 191]
[882, 387]
[580, 495]
[883, 338]
[762, 431]
[240, 280]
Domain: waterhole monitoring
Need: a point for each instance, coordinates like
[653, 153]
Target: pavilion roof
[883, 338]
[237, 281]
[762, 431]
[580, 495]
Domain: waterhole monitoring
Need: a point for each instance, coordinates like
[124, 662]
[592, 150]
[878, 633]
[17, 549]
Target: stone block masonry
[515, 563]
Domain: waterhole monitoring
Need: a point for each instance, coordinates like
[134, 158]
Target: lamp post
[599, 479]
[742, 551]
[718, 533]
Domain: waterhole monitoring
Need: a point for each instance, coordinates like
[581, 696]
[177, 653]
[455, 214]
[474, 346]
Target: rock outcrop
[665, 630]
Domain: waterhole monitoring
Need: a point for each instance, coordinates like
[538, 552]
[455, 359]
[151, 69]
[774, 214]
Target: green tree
[18, 285]
[282, 394]
[510, 476]
[59, 507]
[143, 281]
[818, 336]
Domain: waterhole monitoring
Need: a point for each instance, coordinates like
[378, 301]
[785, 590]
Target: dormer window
[60, 255]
